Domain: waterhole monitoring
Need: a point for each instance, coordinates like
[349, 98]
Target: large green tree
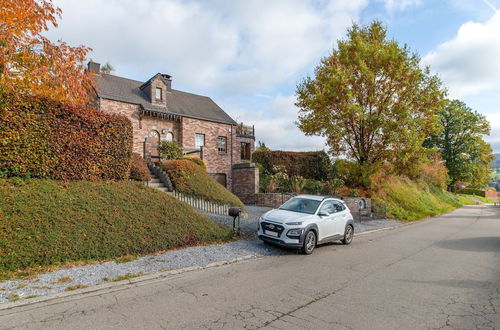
[371, 100]
[467, 156]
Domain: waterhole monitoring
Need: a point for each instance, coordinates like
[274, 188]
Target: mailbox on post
[235, 212]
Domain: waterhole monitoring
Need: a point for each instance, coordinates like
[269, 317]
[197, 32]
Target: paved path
[439, 273]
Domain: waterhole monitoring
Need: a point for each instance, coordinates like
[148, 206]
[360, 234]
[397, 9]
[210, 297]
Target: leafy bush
[470, 191]
[313, 187]
[170, 150]
[311, 165]
[138, 168]
[434, 173]
[192, 180]
[47, 139]
[197, 160]
[47, 222]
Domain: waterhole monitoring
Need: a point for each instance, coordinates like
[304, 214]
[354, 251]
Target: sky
[249, 55]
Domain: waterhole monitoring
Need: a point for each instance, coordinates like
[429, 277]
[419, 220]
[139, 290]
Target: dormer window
[158, 93]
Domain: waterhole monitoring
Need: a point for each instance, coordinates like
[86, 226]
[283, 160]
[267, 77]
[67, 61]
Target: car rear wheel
[348, 235]
[309, 242]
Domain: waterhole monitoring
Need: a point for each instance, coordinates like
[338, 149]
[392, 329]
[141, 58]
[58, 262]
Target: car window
[327, 208]
[339, 207]
[301, 205]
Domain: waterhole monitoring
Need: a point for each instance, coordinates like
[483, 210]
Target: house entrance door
[152, 146]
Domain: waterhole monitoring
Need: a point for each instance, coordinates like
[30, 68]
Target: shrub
[139, 169]
[47, 139]
[192, 180]
[470, 191]
[297, 184]
[197, 160]
[311, 165]
[313, 187]
[434, 173]
[47, 222]
[170, 150]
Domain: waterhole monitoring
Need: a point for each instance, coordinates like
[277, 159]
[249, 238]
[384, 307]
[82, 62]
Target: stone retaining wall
[272, 199]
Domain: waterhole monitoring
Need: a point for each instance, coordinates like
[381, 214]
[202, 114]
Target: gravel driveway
[83, 276]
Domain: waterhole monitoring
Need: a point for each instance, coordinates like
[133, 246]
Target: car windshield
[301, 205]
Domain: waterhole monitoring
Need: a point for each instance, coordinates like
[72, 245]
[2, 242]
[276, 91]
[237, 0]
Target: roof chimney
[94, 66]
[168, 81]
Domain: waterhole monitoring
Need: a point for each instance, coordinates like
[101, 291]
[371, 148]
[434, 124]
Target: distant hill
[496, 162]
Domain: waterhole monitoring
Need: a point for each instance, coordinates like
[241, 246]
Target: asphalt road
[439, 273]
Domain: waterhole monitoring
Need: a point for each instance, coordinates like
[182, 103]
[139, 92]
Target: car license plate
[271, 233]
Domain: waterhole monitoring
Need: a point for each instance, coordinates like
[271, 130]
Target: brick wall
[157, 82]
[245, 182]
[143, 127]
[272, 199]
[492, 194]
[353, 203]
[238, 147]
[217, 162]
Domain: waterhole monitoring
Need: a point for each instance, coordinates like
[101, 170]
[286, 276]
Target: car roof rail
[331, 196]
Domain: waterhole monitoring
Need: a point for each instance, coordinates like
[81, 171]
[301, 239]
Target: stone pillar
[245, 182]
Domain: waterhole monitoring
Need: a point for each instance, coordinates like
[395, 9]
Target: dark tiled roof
[180, 103]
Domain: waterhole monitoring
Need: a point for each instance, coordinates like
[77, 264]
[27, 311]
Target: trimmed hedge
[47, 222]
[192, 180]
[46, 139]
[471, 191]
[313, 165]
[139, 169]
[197, 161]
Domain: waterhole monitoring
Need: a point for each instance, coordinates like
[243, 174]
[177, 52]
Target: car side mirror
[322, 214]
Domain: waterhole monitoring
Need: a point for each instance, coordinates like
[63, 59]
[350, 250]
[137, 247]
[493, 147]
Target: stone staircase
[161, 181]
[157, 184]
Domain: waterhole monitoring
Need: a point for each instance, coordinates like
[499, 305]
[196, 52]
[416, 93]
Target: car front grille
[272, 227]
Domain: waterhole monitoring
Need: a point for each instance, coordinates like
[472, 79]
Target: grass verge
[45, 223]
[409, 201]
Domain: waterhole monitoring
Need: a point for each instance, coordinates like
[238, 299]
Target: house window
[199, 141]
[170, 136]
[158, 93]
[245, 151]
[222, 144]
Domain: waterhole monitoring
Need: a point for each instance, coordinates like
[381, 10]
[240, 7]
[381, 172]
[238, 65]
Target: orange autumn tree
[30, 64]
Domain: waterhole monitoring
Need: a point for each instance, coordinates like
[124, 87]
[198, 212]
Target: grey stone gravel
[89, 275]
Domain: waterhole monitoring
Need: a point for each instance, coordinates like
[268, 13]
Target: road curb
[119, 284]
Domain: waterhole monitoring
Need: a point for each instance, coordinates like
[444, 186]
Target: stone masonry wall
[143, 127]
[217, 162]
[353, 203]
[272, 199]
[245, 182]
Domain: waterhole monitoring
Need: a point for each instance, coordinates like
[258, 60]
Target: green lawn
[45, 223]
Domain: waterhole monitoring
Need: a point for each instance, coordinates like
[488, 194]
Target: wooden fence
[201, 204]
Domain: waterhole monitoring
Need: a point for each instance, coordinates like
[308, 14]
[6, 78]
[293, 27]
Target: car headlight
[299, 223]
[295, 232]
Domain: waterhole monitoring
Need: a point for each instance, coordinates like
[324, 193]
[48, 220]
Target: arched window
[170, 136]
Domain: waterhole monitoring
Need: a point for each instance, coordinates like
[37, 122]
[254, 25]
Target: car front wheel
[348, 235]
[309, 242]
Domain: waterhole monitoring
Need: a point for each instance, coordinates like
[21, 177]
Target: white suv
[306, 221]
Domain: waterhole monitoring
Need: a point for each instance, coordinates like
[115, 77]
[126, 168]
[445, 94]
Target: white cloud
[395, 5]
[469, 63]
[275, 125]
[232, 46]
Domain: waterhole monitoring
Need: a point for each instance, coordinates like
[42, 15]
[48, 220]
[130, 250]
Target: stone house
[160, 113]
